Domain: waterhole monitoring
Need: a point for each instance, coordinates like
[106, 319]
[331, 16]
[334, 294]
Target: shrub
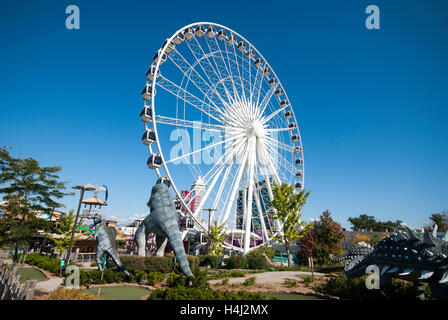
[87, 277]
[291, 283]
[71, 294]
[224, 282]
[355, 289]
[140, 276]
[237, 274]
[236, 262]
[183, 293]
[268, 250]
[153, 263]
[176, 281]
[257, 262]
[249, 281]
[211, 261]
[154, 278]
[44, 262]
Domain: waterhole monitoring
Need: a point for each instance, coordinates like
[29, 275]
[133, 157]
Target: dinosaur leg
[99, 256]
[174, 237]
[420, 288]
[140, 239]
[117, 260]
[161, 242]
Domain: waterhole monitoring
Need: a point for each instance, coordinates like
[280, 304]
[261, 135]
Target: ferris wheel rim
[162, 52]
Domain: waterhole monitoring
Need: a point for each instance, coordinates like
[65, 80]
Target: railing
[10, 286]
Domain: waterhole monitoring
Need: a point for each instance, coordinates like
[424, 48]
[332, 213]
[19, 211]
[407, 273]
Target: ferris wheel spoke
[284, 162]
[186, 96]
[236, 69]
[269, 117]
[266, 99]
[205, 148]
[192, 74]
[219, 60]
[257, 86]
[277, 129]
[257, 195]
[216, 176]
[251, 164]
[280, 144]
[235, 186]
[207, 66]
[190, 124]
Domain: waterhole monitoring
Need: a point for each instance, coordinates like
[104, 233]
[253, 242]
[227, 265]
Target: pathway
[271, 277]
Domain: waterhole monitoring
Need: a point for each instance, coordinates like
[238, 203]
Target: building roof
[94, 201]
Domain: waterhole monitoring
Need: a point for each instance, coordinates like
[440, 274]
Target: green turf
[120, 293]
[291, 296]
[31, 274]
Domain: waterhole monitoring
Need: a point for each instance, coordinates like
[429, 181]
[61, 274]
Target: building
[264, 202]
[197, 192]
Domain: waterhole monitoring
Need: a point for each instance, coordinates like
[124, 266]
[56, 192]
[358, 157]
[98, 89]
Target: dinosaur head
[97, 218]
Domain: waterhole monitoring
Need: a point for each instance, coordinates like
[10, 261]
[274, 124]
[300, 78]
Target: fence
[10, 286]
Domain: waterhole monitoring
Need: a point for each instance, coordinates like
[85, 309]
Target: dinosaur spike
[394, 269]
[443, 255]
[445, 237]
[384, 269]
[426, 274]
[434, 231]
[444, 277]
[412, 235]
[406, 272]
[428, 239]
[414, 251]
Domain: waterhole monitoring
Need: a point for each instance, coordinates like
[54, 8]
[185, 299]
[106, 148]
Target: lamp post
[210, 212]
[83, 188]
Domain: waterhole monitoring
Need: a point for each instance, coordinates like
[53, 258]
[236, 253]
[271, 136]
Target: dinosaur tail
[174, 237]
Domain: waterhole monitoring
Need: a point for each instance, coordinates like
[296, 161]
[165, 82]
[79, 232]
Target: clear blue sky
[371, 104]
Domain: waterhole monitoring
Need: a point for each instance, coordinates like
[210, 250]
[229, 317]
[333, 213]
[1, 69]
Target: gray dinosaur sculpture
[418, 257]
[105, 236]
[162, 221]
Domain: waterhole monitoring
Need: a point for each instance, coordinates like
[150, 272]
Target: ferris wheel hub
[256, 129]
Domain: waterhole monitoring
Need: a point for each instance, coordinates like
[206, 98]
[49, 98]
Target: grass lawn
[120, 293]
[291, 296]
[31, 274]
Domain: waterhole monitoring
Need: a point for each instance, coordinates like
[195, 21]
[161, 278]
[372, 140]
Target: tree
[216, 237]
[441, 220]
[324, 238]
[27, 189]
[64, 229]
[367, 223]
[287, 206]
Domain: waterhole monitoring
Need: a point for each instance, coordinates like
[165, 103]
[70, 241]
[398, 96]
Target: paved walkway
[271, 277]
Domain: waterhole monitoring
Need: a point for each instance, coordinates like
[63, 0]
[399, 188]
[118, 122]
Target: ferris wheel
[220, 131]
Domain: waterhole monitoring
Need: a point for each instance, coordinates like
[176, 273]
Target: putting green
[120, 293]
[31, 274]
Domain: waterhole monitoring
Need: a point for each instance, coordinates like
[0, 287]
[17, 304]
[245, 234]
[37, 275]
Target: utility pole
[83, 189]
[210, 211]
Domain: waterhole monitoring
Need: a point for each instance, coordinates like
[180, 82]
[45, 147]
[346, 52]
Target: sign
[62, 263]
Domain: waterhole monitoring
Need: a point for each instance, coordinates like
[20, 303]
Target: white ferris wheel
[221, 130]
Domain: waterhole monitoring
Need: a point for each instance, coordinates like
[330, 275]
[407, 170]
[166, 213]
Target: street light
[86, 187]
